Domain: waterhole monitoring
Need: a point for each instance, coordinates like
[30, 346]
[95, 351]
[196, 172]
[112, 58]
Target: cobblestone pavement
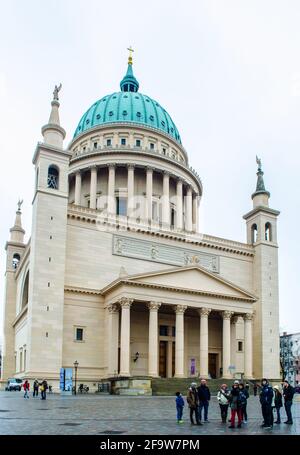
[94, 415]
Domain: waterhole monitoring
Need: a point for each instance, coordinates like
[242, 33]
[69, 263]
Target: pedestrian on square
[255, 389]
[204, 398]
[223, 399]
[277, 402]
[288, 395]
[43, 387]
[266, 398]
[244, 395]
[179, 406]
[247, 387]
[193, 402]
[26, 387]
[235, 404]
[36, 388]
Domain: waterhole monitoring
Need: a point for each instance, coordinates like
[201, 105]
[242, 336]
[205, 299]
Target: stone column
[179, 341]
[111, 202]
[188, 216]
[125, 304]
[166, 200]
[233, 321]
[153, 339]
[78, 188]
[195, 213]
[203, 367]
[179, 208]
[130, 190]
[248, 358]
[93, 188]
[226, 343]
[113, 338]
[149, 192]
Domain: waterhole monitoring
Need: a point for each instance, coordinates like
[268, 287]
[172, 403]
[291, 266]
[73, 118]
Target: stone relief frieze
[159, 252]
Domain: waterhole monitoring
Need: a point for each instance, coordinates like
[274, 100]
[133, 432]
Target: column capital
[78, 172]
[227, 314]
[154, 306]
[125, 302]
[111, 165]
[248, 317]
[149, 168]
[130, 166]
[189, 189]
[113, 308]
[204, 312]
[180, 309]
[166, 174]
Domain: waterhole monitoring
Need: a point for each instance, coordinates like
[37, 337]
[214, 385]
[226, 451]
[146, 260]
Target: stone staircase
[169, 386]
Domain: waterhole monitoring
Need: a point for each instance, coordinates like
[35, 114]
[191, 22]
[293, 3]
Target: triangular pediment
[192, 278]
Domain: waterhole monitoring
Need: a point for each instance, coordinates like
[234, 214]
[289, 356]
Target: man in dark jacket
[288, 394]
[193, 402]
[266, 398]
[204, 397]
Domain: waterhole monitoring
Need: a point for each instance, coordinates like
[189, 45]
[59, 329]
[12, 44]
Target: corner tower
[47, 255]
[262, 234]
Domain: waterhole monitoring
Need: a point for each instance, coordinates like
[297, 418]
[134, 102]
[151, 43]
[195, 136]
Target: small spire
[129, 83]
[260, 184]
[53, 133]
[17, 232]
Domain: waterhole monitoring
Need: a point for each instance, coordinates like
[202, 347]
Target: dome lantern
[129, 83]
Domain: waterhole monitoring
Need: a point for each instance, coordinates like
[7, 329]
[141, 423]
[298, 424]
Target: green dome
[129, 107]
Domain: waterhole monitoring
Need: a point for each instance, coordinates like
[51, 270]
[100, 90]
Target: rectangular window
[123, 141]
[21, 361]
[95, 145]
[164, 151]
[121, 203]
[108, 142]
[240, 346]
[173, 331]
[163, 330]
[138, 143]
[151, 146]
[79, 334]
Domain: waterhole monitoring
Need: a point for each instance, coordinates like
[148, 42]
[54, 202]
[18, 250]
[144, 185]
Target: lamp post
[75, 366]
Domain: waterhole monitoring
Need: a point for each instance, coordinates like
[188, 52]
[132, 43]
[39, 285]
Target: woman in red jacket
[26, 387]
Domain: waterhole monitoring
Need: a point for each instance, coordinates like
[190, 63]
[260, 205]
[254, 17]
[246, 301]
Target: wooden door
[212, 365]
[163, 359]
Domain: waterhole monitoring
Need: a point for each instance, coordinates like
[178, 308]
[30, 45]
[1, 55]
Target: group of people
[235, 399]
[37, 386]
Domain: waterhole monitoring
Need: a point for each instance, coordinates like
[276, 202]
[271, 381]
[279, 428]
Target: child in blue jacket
[179, 406]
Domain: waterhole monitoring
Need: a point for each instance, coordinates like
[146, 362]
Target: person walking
[36, 388]
[235, 405]
[277, 402]
[179, 406]
[244, 395]
[204, 398]
[193, 402]
[255, 389]
[44, 387]
[288, 395]
[223, 399]
[266, 397]
[26, 387]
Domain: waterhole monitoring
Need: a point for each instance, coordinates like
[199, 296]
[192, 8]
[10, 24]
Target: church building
[116, 275]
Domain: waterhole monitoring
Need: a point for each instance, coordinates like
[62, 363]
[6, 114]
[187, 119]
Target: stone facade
[117, 276]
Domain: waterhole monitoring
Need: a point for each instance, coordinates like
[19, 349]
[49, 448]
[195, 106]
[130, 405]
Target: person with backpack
[36, 388]
[235, 404]
[266, 398]
[244, 395]
[277, 402]
[288, 395]
[223, 399]
[43, 387]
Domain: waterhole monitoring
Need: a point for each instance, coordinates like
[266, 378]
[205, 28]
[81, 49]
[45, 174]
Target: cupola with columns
[128, 162]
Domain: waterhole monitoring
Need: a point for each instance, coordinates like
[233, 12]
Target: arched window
[253, 233]
[25, 291]
[53, 177]
[268, 232]
[16, 260]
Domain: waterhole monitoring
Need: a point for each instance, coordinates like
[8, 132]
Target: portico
[162, 324]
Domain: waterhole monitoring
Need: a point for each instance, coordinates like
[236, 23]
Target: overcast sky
[228, 72]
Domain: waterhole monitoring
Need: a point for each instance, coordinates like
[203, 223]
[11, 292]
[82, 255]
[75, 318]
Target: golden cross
[130, 51]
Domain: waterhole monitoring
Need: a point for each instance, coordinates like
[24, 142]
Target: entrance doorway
[163, 345]
[212, 365]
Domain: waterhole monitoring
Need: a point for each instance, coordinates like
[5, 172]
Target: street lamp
[76, 366]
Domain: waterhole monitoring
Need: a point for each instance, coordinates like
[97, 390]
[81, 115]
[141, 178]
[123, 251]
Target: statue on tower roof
[20, 202]
[258, 161]
[55, 92]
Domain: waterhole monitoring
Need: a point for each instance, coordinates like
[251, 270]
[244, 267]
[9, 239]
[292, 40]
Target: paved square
[105, 414]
